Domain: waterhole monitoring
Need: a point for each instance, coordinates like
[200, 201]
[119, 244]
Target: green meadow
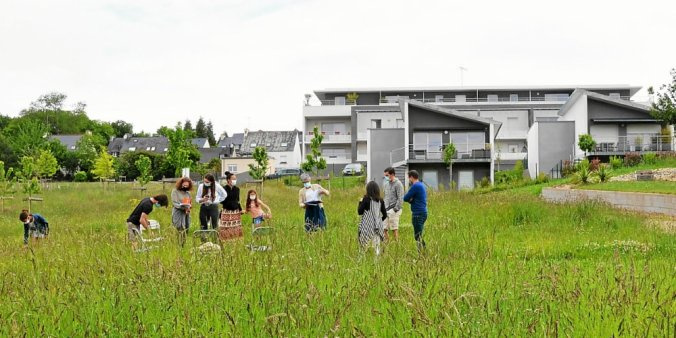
[497, 264]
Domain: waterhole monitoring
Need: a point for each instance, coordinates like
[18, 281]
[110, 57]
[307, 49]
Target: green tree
[201, 128]
[49, 101]
[181, 153]
[586, 143]
[26, 137]
[121, 128]
[664, 108]
[46, 164]
[86, 150]
[144, 165]
[163, 131]
[314, 162]
[210, 134]
[448, 154]
[260, 168]
[7, 182]
[190, 131]
[29, 180]
[104, 166]
[216, 165]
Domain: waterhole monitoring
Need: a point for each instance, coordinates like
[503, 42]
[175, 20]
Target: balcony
[464, 152]
[331, 138]
[511, 156]
[632, 143]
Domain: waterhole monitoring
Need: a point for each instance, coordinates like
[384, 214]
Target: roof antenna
[462, 72]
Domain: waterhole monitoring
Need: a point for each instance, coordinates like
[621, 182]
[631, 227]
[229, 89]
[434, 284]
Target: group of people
[380, 214]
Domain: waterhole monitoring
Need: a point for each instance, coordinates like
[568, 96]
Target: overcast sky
[247, 63]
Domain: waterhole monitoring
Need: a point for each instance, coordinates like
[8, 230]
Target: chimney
[126, 136]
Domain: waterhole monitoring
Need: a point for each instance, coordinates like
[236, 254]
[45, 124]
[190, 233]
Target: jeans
[209, 214]
[418, 228]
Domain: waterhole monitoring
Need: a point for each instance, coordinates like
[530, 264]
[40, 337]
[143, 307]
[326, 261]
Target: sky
[248, 63]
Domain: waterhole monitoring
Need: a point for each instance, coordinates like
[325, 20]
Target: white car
[353, 169]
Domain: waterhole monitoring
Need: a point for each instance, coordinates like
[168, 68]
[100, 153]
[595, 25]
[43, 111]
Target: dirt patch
[663, 174]
[666, 225]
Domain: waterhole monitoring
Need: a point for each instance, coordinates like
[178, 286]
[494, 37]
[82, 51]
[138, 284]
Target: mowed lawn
[660, 187]
[503, 264]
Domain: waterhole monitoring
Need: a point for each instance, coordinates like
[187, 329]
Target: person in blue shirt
[34, 225]
[417, 197]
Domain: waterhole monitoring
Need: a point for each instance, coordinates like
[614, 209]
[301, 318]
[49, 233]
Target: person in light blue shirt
[209, 196]
[417, 197]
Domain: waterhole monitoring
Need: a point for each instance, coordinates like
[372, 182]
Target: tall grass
[497, 264]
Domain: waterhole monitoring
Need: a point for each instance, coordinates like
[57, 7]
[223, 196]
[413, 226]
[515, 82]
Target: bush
[594, 164]
[649, 158]
[510, 176]
[615, 162]
[632, 159]
[484, 183]
[568, 169]
[604, 172]
[80, 176]
[583, 170]
[541, 178]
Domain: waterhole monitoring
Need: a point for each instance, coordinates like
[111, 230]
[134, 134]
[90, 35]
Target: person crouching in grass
[34, 225]
[140, 214]
[254, 206]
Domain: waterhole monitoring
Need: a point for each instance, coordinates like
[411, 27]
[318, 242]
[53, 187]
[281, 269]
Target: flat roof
[632, 89]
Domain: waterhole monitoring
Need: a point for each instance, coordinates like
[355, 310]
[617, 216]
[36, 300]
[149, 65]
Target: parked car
[285, 172]
[353, 169]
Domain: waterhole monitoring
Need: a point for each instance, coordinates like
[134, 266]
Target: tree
[26, 137]
[104, 165]
[664, 108]
[201, 128]
[210, 134]
[163, 131]
[46, 164]
[49, 101]
[144, 165]
[29, 181]
[7, 181]
[216, 165]
[181, 153]
[86, 150]
[314, 160]
[449, 153]
[586, 143]
[258, 170]
[187, 127]
[121, 128]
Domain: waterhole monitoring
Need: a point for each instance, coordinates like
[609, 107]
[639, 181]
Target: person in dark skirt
[310, 198]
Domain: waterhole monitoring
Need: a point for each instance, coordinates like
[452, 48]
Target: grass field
[660, 187]
[504, 264]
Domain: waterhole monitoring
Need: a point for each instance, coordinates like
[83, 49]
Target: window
[232, 168]
[438, 98]
[513, 148]
[493, 98]
[513, 97]
[339, 101]
[376, 124]
[152, 148]
[267, 144]
[614, 95]
[282, 159]
[135, 140]
[334, 152]
[165, 149]
[460, 98]
[465, 142]
[132, 148]
[253, 145]
[147, 148]
[427, 145]
[284, 144]
[72, 147]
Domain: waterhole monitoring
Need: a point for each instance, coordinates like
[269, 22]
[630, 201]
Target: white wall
[533, 150]
[388, 120]
[643, 128]
[604, 132]
[517, 128]
[577, 113]
[545, 113]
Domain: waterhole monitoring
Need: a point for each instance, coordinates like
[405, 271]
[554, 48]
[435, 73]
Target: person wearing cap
[310, 198]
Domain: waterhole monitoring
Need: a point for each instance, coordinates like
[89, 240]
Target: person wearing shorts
[140, 214]
[394, 201]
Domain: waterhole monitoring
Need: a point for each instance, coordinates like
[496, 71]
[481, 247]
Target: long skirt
[315, 218]
[180, 219]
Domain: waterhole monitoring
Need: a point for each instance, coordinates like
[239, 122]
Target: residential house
[348, 126]
[68, 141]
[282, 146]
[234, 142]
[200, 142]
[154, 144]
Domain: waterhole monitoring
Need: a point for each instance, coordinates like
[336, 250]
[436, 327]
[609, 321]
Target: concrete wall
[533, 149]
[603, 110]
[388, 120]
[380, 143]
[555, 144]
[578, 114]
[243, 164]
[644, 202]
[514, 122]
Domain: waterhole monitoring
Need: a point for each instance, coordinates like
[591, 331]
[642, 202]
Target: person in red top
[254, 207]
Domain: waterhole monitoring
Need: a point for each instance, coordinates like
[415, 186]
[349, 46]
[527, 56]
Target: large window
[427, 145]
[493, 98]
[465, 142]
[556, 97]
[334, 152]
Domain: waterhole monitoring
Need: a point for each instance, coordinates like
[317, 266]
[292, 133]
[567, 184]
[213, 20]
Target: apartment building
[490, 126]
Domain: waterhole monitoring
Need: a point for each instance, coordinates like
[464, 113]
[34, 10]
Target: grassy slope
[498, 264]
[660, 187]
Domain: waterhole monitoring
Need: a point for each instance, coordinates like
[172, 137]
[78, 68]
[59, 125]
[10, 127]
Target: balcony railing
[463, 151]
[511, 156]
[635, 142]
[337, 103]
[503, 99]
[332, 138]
